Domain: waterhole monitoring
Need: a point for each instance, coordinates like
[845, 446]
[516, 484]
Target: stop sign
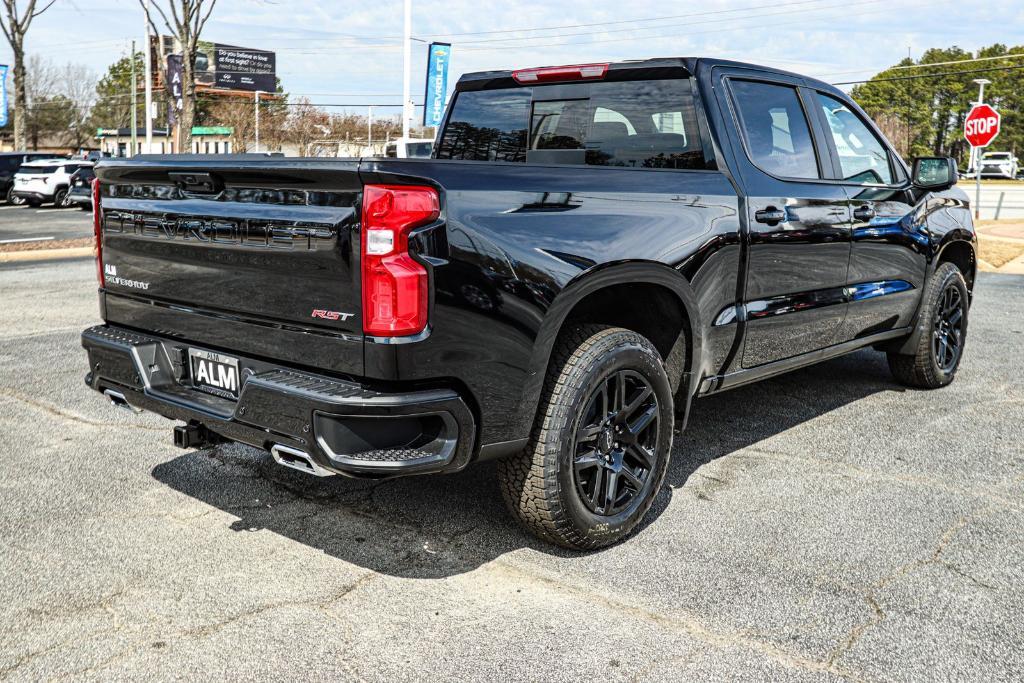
[981, 126]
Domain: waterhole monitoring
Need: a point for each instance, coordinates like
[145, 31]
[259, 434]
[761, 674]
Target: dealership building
[117, 142]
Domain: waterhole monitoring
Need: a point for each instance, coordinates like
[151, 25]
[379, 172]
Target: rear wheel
[944, 317]
[601, 442]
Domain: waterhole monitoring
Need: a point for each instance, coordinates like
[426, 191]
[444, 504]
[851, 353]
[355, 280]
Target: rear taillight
[554, 74]
[395, 296]
[97, 230]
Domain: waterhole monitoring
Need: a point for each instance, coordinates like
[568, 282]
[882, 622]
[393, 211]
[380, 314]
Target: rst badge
[331, 315]
[214, 373]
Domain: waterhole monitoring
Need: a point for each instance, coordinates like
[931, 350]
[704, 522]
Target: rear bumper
[32, 196]
[343, 426]
[79, 198]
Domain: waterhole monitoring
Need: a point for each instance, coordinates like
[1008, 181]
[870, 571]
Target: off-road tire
[922, 369]
[538, 484]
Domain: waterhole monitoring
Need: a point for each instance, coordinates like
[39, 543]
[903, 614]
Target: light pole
[976, 152]
[407, 73]
[148, 48]
[369, 130]
[257, 100]
[135, 109]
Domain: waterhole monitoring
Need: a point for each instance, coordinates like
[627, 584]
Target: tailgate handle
[197, 182]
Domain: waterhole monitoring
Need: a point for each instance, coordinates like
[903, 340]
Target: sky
[350, 52]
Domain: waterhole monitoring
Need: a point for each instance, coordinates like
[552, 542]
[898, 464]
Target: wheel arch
[959, 248]
[596, 297]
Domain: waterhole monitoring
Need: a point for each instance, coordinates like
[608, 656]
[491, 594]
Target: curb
[44, 254]
[1014, 267]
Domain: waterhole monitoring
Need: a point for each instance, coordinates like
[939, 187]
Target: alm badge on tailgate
[214, 373]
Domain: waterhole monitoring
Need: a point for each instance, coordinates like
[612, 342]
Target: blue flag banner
[3, 95]
[438, 56]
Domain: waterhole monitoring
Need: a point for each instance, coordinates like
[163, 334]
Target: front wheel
[600, 444]
[58, 197]
[943, 316]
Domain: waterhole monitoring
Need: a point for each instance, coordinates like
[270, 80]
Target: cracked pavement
[824, 525]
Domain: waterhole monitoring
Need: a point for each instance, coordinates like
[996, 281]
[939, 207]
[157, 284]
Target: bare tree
[307, 124]
[15, 25]
[186, 25]
[78, 84]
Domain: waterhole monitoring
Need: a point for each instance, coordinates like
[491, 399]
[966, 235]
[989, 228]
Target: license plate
[214, 373]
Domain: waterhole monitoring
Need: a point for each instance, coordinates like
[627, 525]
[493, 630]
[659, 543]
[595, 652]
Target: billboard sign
[438, 56]
[235, 68]
[3, 95]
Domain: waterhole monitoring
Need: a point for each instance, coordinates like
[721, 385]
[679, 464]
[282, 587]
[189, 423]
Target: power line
[1012, 55]
[773, 25]
[947, 73]
[621, 21]
[659, 28]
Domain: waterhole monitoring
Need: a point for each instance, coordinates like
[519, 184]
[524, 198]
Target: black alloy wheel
[616, 442]
[601, 442]
[933, 356]
[947, 335]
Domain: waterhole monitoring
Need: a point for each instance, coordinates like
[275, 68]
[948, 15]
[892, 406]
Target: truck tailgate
[259, 254]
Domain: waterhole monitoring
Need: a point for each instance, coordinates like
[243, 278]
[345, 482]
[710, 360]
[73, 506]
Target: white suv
[45, 180]
[999, 165]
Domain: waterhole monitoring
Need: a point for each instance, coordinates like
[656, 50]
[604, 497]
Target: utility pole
[976, 152]
[407, 75]
[149, 85]
[135, 109]
[369, 130]
[257, 121]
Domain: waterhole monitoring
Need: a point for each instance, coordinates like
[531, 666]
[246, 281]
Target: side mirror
[935, 173]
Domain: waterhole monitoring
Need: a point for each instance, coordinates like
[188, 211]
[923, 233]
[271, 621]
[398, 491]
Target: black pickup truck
[589, 248]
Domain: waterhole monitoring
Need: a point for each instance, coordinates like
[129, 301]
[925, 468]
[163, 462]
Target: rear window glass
[633, 124]
[487, 125]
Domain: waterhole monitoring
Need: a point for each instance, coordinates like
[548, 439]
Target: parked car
[409, 148]
[10, 162]
[45, 181]
[80, 188]
[999, 165]
[590, 248]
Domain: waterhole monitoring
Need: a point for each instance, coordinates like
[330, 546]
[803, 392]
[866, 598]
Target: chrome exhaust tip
[118, 400]
[297, 460]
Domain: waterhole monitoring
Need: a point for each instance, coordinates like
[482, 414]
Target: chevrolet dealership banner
[438, 57]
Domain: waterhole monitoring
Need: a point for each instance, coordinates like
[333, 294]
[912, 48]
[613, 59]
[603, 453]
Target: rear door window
[632, 124]
[775, 129]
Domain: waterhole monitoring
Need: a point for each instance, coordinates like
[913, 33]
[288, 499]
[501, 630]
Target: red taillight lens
[395, 294]
[97, 230]
[553, 74]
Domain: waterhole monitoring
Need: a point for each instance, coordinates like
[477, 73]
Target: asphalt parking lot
[24, 223]
[824, 525]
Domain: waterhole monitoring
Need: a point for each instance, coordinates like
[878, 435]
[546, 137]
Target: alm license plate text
[214, 373]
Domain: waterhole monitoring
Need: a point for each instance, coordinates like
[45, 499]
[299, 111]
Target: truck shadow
[431, 527]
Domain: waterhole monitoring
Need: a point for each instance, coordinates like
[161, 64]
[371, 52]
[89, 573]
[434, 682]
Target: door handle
[863, 213]
[771, 216]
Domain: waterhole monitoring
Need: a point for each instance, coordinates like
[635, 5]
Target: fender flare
[910, 344]
[631, 272]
